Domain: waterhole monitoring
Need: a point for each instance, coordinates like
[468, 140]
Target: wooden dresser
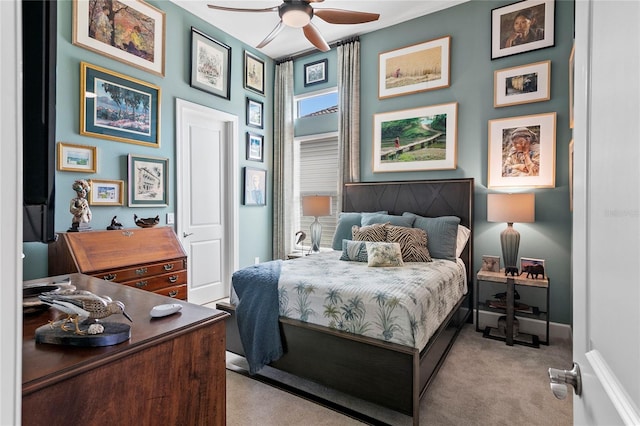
[150, 259]
[171, 371]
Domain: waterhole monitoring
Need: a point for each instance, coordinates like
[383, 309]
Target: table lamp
[316, 206]
[510, 208]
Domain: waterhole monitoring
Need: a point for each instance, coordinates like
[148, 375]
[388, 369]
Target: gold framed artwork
[129, 31]
[106, 192]
[77, 158]
[522, 151]
[416, 68]
[522, 84]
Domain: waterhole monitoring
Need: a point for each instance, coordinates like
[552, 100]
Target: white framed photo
[522, 84]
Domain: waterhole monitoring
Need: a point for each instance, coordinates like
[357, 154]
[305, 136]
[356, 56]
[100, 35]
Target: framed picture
[253, 73]
[210, 65]
[522, 85]
[315, 72]
[129, 31]
[106, 192]
[255, 187]
[416, 139]
[490, 263]
[117, 107]
[416, 68]
[533, 268]
[77, 158]
[522, 27]
[254, 113]
[255, 150]
[572, 71]
[522, 151]
[148, 181]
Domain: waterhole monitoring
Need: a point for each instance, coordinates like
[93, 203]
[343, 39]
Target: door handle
[185, 235]
[559, 379]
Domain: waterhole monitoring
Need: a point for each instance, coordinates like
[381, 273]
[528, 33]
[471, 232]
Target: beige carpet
[482, 382]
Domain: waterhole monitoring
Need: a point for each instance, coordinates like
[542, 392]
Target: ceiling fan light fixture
[296, 15]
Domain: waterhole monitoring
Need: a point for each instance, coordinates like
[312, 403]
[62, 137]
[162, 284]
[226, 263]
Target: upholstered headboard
[429, 198]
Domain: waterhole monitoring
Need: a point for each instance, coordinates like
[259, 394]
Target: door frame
[231, 192]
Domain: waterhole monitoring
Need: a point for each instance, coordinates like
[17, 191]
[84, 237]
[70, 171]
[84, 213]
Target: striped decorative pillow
[413, 243]
[374, 233]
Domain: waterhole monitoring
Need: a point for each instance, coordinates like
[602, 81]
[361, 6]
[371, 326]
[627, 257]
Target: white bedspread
[404, 305]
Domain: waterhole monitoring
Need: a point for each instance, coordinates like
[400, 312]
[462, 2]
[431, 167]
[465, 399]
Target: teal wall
[471, 87]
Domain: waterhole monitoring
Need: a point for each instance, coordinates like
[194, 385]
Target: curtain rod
[313, 51]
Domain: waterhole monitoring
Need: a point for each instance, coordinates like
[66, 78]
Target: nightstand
[295, 254]
[511, 311]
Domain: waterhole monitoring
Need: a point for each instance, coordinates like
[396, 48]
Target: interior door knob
[559, 379]
[185, 235]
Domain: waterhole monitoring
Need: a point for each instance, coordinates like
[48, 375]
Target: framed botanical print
[129, 31]
[253, 73]
[148, 181]
[210, 65]
[76, 158]
[106, 192]
[255, 113]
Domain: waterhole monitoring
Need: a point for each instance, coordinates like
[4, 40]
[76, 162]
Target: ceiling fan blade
[314, 36]
[339, 16]
[239, 9]
[272, 35]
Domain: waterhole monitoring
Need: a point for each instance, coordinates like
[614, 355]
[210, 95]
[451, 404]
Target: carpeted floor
[482, 382]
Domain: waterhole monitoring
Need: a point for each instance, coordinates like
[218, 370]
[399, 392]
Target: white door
[606, 227]
[207, 200]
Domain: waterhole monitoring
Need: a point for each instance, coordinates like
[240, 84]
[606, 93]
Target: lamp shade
[511, 208]
[316, 205]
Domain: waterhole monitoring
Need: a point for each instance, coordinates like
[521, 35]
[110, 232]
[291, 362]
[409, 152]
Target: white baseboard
[529, 325]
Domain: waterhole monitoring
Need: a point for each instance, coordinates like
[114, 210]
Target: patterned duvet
[404, 305]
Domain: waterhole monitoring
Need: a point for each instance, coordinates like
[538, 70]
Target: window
[317, 103]
[316, 172]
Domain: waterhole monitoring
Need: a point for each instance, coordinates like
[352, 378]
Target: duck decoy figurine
[115, 225]
[146, 223]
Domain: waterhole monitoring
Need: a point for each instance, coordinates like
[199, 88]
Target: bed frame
[387, 374]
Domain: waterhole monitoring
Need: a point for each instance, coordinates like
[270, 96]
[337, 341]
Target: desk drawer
[177, 292]
[142, 271]
[159, 282]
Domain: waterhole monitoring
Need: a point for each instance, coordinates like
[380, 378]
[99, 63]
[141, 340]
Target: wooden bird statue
[82, 304]
[146, 222]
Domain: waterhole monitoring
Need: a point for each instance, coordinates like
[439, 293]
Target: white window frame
[298, 98]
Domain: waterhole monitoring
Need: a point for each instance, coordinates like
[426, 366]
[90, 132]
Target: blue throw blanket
[257, 312]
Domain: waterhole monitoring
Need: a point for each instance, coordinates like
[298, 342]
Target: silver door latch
[559, 379]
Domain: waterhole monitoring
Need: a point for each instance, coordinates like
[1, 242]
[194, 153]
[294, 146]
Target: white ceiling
[252, 27]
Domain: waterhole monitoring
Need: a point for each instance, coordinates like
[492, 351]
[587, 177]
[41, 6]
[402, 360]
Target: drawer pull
[141, 284]
[173, 293]
[168, 266]
[141, 271]
[173, 278]
[109, 277]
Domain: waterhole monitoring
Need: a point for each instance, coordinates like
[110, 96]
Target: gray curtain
[283, 160]
[349, 111]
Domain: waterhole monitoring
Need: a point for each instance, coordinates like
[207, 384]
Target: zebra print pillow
[374, 233]
[413, 243]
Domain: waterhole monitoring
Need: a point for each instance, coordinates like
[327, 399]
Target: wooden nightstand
[511, 282]
[295, 254]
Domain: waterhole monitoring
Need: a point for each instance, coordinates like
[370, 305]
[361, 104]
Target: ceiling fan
[298, 14]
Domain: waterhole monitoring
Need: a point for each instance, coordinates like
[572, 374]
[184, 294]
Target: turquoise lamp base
[510, 241]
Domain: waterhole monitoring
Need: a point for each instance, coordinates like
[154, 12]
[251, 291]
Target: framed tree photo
[255, 151]
[148, 181]
[315, 72]
[253, 73]
[522, 151]
[210, 65]
[255, 113]
[522, 84]
[522, 27]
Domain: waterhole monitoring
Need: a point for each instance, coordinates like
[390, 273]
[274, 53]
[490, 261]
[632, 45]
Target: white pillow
[462, 238]
[384, 254]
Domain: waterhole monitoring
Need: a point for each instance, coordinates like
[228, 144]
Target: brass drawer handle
[173, 278]
[173, 293]
[109, 277]
[141, 271]
[141, 284]
[168, 266]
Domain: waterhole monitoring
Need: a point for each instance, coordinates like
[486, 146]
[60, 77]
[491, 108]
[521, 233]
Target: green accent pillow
[346, 220]
[442, 234]
[355, 251]
[387, 218]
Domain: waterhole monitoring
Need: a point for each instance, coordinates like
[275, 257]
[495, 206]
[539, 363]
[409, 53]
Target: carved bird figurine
[146, 222]
[82, 304]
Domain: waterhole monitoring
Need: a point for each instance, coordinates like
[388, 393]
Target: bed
[393, 374]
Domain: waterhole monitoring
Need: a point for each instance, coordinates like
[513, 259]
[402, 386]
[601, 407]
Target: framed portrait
[572, 72]
[522, 85]
[254, 113]
[76, 158]
[532, 268]
[120, 108]
[416, 68]
[315, 73]
[210, 65]
[255, 151]
[106, 192]
[253, 73]
[490, 263]
[522, 151]
[522, 27]
[129, 31]
[416, 139]
[148, 181]
[255, 187]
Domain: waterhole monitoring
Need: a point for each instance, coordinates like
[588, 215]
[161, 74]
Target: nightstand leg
[510, 311]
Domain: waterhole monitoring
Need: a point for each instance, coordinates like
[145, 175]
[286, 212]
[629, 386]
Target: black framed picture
[254, 113]
[253, 73]
[255, 151]
[255, 187]
[210, 65]
[315, 72]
